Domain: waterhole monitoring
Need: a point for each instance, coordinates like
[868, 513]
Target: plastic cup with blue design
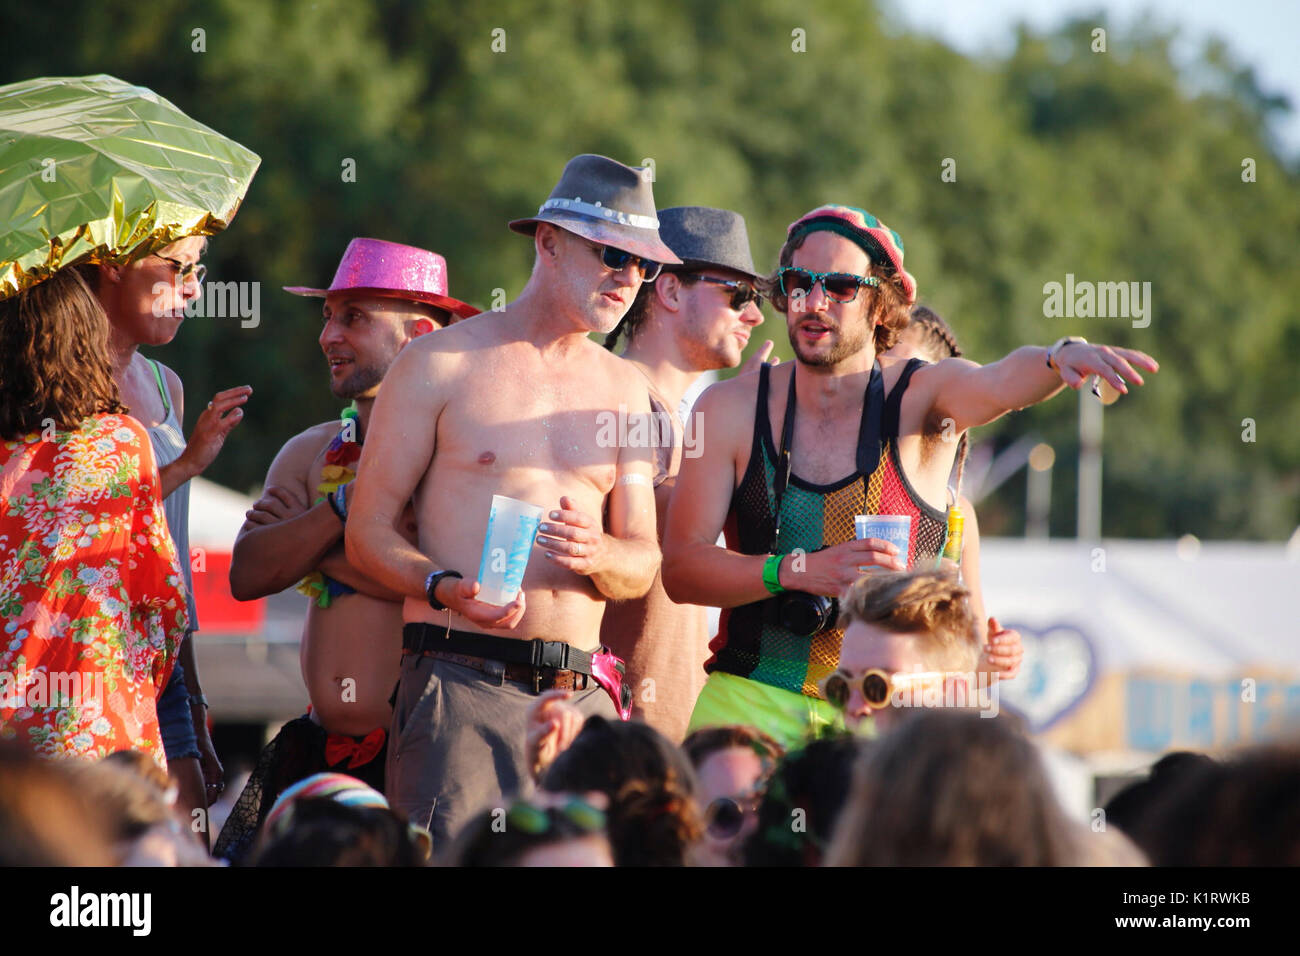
[511, 530]
[896, 529]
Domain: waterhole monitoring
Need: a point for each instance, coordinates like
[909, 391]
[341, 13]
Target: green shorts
[790, 718]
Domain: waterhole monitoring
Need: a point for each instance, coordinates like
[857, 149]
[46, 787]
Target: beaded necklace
[341, 457]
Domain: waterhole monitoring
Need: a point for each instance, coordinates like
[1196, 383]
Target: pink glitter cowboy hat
[391, 269]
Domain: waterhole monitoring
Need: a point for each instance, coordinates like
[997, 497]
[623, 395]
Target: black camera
[807, 614]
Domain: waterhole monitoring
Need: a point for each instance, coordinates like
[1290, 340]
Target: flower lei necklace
[341, 457]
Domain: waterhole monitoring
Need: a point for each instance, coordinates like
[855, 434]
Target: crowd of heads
[942, 788]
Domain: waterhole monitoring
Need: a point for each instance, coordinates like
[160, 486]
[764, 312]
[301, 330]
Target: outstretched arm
[972, 395]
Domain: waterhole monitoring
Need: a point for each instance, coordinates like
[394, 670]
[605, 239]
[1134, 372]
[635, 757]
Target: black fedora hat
[704, 237]
[606, 202]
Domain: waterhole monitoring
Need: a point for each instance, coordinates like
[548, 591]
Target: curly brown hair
[653, 818]
[54, 357]
[886, 304]
[953, 789]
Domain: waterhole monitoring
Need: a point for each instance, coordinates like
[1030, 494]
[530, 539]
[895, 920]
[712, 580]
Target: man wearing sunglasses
[797, 452]
[384, 295]
[511, 403]
[696, 317]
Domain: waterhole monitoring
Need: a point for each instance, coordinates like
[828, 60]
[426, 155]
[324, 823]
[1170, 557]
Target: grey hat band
[597, 211]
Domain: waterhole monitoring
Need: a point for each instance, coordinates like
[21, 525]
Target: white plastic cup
[511, 531]
[896, 529]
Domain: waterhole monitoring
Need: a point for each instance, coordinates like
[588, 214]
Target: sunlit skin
[583, 851]
[145, 305]
[598, 296]
[827, 334]
[866, 647]
[689, 328]
[361, 336]
[510, 401]
[351, 649]
[1002, 655]
[941, 401]
[734, 773]
[147, 298]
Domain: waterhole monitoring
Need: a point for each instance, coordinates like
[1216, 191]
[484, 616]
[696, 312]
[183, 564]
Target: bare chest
[825, 451]
[519, 423]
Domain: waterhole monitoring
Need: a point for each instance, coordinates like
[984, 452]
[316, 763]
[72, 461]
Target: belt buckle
[537, 680]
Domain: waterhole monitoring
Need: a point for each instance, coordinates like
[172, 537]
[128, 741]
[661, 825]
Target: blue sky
[1262, 33]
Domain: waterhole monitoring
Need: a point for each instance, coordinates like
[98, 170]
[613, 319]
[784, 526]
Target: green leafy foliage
[1113, 166]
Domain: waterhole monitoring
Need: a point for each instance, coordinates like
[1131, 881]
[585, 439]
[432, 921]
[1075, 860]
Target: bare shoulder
[922, 402]
[629, 382]
[174, 386]
[923, 379]
[735, 396]
[175, 389]
[432, 361]
[475, 332]
[930, 372]
[300, 451]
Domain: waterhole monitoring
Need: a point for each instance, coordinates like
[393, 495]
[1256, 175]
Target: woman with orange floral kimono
[92, 604]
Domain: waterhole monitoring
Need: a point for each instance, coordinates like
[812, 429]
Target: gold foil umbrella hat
[93, 169]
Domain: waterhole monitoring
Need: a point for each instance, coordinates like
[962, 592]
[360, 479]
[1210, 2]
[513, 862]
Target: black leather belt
[538, 655]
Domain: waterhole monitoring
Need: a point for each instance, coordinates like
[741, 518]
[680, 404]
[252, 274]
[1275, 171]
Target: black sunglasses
[617, 259]
[742, 293]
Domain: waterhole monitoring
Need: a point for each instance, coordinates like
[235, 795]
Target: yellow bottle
[956, 523]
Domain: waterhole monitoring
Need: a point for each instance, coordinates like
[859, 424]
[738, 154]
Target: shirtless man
[845, 295]
[383, 296]
[511, 403]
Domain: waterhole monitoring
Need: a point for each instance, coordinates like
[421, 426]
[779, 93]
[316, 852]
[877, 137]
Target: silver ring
[577, 550]
[209, 404]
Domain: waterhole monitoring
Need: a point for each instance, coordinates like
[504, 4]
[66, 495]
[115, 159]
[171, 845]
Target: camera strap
[783, 465]
[868, 442]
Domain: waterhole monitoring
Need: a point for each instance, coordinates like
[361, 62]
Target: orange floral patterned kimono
[92, 603]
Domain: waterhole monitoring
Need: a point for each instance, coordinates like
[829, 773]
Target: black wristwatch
[431, 586]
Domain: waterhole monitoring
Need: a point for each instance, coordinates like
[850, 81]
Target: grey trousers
[458, 741]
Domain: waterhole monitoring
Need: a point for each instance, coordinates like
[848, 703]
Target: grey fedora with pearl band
[607, 203]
